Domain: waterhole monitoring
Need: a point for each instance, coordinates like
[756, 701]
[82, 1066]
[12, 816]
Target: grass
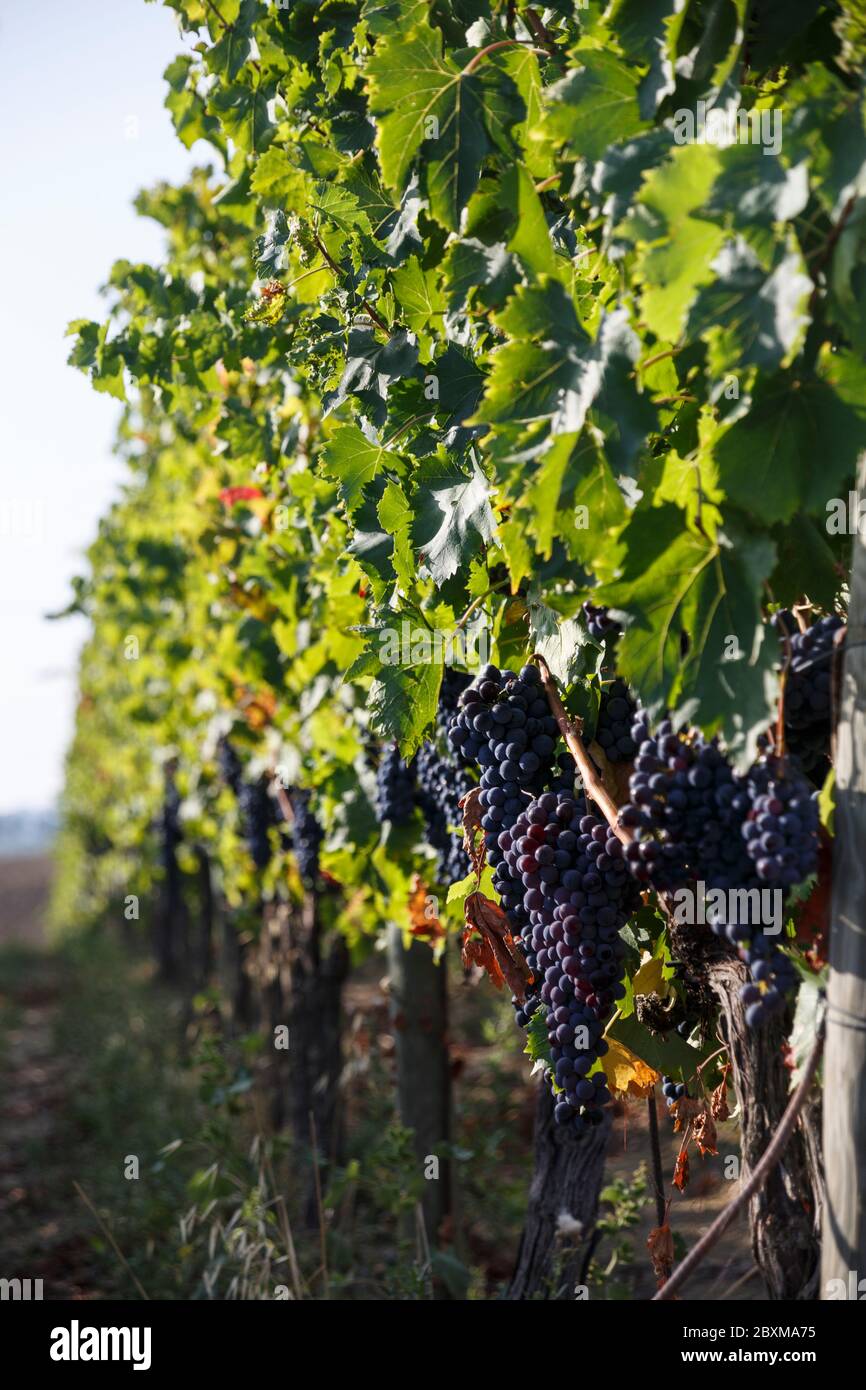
[153, 1174]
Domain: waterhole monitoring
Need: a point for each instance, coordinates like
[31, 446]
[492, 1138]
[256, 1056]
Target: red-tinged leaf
[422, 918]
[488, 920]
[478, 951]
[473, 834]
[271, 289]
[704, 1131]
[660, 1244]
[684, 1110]
[681, 1170]
[719, 1099]
[812, 917]
[231, 495]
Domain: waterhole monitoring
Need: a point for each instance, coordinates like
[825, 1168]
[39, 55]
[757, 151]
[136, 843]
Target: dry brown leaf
[473, 834]
[681, 1170]
[423, 922]
[685, 1109]
[705, 1134]
[478, 951]
[257, 708]
[489, 922]
[660, 1244]
[719, 1099]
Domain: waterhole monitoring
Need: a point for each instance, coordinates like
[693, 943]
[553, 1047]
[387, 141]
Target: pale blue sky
[83, 128]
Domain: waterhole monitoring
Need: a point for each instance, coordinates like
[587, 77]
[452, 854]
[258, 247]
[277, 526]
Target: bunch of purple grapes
[307, 836]
[435, 781]
[395, 788]
[231, 770]
[808, 690]
[441, 785]
[686, 810]
[577, 894]
[673, 1090]
[695, 820]
[257, 815]
[504, 725]
[613, 728]
[780, 833]
[599, 624]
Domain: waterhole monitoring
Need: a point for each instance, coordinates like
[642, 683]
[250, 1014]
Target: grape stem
[283, 802]
[655, 1151]
[593, 785]
[370, 311]
[494, 47]
[770, 1158]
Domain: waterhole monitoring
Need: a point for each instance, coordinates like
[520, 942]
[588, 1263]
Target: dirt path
[25, 887]
[40, 1229]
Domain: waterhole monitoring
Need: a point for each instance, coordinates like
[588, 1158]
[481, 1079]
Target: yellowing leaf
[650, 977]
[626, 1074]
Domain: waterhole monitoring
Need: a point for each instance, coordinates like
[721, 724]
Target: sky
[84, 128]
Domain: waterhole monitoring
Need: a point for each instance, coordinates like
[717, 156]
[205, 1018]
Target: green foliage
[486, 335]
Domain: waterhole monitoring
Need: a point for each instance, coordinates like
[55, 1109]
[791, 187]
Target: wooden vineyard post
[566, 1183]
[418, 1006]
[844, 1234]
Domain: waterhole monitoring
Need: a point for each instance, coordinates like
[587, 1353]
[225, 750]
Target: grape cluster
[435, 781]
[808, 690]
[613, 728]
[257, 815]
[686, 810]
[169, 824]
[229, 764]
[576, 895]
[780, 833]
[440, 787]
[453, 685]
[781, 826]
[307, 836]
[599, 624]
[673, 1090]
[695, 819]
[503, 724]
[395, 788]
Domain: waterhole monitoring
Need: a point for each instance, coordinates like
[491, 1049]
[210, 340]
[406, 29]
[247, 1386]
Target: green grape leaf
[551, 370]
[749, 317]
[420, 298]
[799, 441]
[488, 273]
[427, 104]
[188, 111]
[694, 639]
[243, 113]
[353, 461]
[453, 516]
[232, 49]
[593, 107]
[675, 247]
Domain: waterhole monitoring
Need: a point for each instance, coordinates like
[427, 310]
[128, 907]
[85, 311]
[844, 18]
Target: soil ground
[49, 1140]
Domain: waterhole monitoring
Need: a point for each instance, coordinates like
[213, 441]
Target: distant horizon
[101, 136]
[27, 832]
